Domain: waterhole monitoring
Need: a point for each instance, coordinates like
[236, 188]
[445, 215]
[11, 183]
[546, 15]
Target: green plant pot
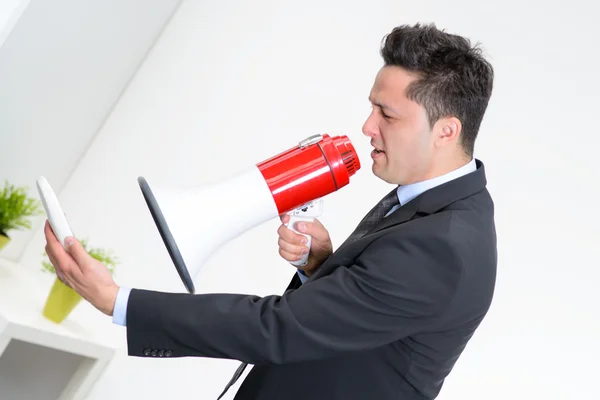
[3, 240]
[61, 301]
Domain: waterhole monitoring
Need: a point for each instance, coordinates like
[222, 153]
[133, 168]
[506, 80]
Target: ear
[447, 131]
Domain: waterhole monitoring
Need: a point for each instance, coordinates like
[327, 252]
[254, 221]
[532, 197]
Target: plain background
[228, 84]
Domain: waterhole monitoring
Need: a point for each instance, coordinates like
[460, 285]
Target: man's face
[399, 128]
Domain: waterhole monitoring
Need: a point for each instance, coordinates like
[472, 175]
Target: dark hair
[454, 78]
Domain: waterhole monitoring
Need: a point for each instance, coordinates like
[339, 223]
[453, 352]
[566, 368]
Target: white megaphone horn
[194, 222]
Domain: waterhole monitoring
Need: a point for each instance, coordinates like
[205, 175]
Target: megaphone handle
[308, 212]
[292, 225]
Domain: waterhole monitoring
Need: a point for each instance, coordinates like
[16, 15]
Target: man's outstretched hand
[81, 272]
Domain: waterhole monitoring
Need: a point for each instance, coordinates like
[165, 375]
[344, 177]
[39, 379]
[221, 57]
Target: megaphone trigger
[306, 213]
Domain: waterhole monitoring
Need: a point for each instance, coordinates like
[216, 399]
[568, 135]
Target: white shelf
[41, 360]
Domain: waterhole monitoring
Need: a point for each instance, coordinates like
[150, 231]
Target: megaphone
[196, 221]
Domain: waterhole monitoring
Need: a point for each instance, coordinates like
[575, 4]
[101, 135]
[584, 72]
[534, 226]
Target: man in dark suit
[388, 313]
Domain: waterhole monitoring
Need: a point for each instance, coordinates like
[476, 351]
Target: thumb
[314, 229]
[75, 249]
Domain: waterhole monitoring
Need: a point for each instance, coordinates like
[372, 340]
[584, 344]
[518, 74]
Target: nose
[370, 127]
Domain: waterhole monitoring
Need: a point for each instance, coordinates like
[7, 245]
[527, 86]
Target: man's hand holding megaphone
[292, 244]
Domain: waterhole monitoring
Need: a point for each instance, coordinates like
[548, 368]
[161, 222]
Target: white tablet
[56, 216]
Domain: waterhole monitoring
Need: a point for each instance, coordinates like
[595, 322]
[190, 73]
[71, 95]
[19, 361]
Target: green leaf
[16, 207]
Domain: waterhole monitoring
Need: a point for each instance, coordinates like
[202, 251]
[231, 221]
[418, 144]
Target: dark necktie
[374, 216]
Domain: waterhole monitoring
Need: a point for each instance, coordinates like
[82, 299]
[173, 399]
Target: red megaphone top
[318, 166]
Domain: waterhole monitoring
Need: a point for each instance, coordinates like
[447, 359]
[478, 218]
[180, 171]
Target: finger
[284, 218]
[76, 250]
[292, 248]
[49, 233]
[57, 267]
[52, 243]
[53, 261]
[61, 277]
[289, 256]
[63, 262]
[68, 282]
[50, 254]
[60, 259]
[59, 273]
[290, 236]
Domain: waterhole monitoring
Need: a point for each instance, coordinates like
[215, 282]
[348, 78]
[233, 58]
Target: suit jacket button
[161, 353]
[154, 353]
[147, 352]
[168, 353]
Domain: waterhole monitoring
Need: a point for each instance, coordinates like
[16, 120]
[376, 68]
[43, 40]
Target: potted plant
[62, 299]
[15, 209]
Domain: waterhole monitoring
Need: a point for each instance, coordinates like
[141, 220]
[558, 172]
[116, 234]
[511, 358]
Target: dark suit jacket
[385, 317]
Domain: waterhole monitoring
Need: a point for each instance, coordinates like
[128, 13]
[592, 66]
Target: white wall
[63, 65]
[10, 11]
[231, 83]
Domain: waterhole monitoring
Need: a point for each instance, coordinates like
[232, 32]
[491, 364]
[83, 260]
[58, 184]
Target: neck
[444, 165]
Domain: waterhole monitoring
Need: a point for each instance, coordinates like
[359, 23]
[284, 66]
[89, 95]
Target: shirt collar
[408, 192]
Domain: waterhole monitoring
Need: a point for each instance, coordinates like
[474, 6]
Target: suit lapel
[399, 216]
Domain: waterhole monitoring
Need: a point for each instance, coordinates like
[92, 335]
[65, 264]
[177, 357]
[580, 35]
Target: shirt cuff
[120, 311]
[302, 276]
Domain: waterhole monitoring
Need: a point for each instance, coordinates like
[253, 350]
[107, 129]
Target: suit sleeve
[395, 288]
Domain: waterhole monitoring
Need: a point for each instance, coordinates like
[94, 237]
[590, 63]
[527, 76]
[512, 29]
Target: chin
[387, 176]
[376, 169]
[378, 172]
